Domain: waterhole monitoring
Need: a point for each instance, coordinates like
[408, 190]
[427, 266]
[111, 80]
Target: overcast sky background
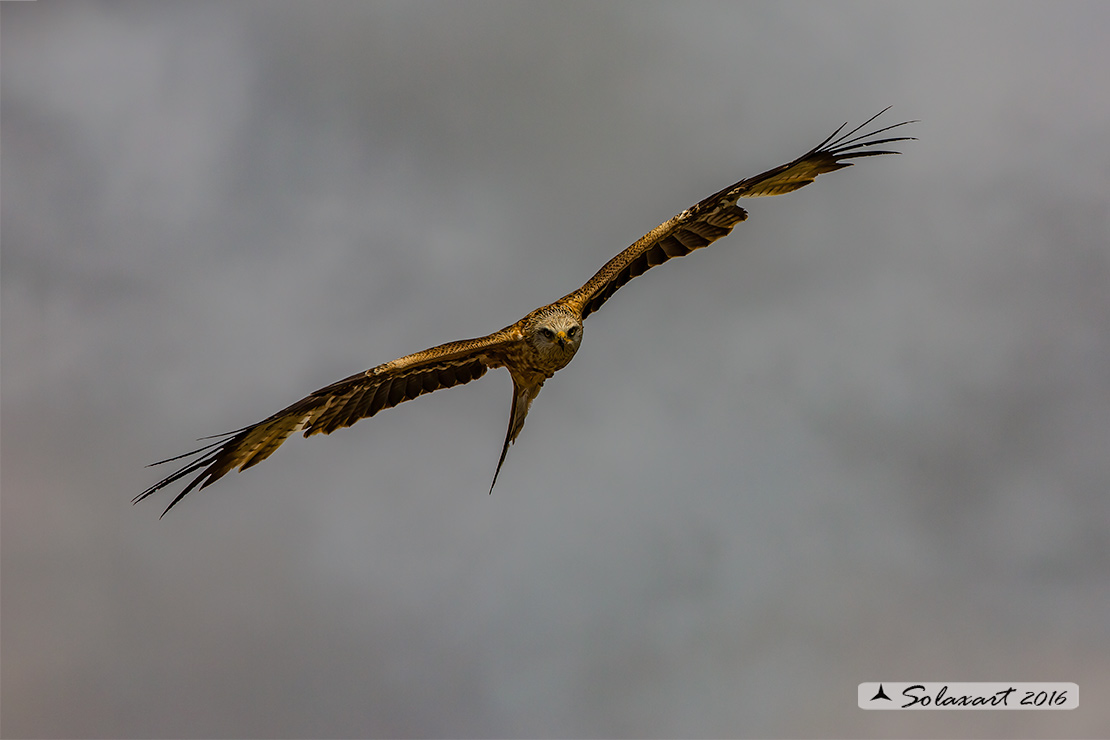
[864, 438]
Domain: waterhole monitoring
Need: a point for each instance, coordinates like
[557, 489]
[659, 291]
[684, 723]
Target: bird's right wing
[341, 404]
[707, 221]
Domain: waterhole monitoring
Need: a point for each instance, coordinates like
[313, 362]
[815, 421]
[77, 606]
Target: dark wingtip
[208, 457]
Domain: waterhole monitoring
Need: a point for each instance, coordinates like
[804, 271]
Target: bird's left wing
[341, 404]
[707, 221]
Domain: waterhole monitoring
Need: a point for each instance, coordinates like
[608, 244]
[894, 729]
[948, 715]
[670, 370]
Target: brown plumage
[532, 349]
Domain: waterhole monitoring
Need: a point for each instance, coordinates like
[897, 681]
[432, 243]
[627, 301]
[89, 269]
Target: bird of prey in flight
[532, 349]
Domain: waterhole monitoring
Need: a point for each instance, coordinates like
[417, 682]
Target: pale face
[557, 336]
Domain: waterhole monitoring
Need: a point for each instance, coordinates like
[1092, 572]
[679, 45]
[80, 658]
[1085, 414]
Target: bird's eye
[572, 331]
[547, 333]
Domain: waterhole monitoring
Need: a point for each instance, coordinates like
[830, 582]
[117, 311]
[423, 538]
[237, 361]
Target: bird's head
[557, 334]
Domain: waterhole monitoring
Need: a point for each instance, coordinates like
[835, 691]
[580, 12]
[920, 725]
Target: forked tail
[523, 395]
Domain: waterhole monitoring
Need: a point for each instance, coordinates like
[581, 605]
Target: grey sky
[863, 438]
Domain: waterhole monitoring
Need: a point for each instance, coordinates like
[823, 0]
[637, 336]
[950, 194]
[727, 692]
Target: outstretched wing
[341, 405]
[706, 222]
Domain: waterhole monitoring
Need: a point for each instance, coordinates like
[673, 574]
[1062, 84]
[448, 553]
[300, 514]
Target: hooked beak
[562, 337]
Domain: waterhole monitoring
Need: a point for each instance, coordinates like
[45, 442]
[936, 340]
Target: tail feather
[523, 395]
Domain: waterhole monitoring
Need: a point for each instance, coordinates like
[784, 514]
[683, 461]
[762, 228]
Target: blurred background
[864, 438]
